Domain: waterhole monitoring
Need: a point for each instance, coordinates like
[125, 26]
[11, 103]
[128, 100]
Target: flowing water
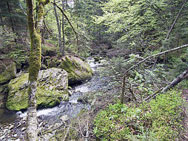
[62, 112]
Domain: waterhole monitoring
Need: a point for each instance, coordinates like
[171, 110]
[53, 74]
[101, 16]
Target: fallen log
[177, 80]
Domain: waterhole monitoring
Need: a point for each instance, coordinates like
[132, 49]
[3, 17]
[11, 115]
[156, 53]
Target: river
[13, 124]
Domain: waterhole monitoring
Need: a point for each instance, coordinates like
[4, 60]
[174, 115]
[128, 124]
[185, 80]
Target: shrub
[160, 119]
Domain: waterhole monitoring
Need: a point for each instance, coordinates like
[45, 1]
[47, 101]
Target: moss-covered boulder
[78, 70]
[52, 88]
[7, 71]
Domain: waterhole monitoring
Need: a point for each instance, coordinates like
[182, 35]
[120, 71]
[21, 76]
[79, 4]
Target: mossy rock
[51, 89]
[49, 50]
[52, 62]
[78, 70]
[7, 71]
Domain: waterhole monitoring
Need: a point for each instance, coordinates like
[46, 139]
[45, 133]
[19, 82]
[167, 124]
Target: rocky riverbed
[13, 125]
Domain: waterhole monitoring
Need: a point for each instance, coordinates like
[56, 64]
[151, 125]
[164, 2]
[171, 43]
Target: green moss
[18, 94]
[77, 69]
[35, 56]
[8, 73]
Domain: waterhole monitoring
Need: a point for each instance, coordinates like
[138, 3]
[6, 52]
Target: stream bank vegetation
[144, 43]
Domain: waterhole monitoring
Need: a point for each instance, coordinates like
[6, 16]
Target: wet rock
[78, 70]
[2, 137]
[7, 71]
[52, 88]
[64, 118]
[23, 129]
[11, 127]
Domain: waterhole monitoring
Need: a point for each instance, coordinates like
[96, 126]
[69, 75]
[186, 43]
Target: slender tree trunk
[11, 20]
[59, 29]
[69, 22]
[2, 23]
[33, 74]
[63, 29]
[34, 65]
[123, 90]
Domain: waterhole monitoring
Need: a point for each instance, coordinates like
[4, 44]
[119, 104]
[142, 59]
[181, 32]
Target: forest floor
[185, 121]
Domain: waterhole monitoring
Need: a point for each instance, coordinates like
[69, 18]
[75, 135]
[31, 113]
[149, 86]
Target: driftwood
[142, 61]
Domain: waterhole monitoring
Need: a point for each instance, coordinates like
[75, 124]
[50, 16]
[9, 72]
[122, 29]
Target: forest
[93, 70]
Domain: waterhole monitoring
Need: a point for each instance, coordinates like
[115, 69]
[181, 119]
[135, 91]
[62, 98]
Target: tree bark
[63, 29]
[58, 28]
[34, 65]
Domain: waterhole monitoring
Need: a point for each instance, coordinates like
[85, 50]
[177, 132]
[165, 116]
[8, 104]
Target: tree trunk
[177, 80]
[59, 29]
[34, 65]
[63, 30]
[11, 20]
[123, 90]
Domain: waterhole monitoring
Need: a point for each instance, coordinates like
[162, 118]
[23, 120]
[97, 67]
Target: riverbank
[55, 118]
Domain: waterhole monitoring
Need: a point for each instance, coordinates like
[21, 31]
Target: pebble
[2, 137]
[11, 127]
[24, 128]
[15, 135]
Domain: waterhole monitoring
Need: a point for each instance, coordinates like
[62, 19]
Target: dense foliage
[123, 32]
[160, 119]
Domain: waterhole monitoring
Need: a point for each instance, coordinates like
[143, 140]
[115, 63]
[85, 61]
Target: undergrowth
[160, 119]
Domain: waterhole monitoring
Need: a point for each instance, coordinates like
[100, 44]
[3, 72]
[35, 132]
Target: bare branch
[142, 61]
[155, 55]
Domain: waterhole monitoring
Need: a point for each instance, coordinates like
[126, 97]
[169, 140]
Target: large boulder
[51, 89]
[78, 70]
[7, 71]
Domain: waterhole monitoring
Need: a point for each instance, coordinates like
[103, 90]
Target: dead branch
[65, 137]
[177, 80]
[155, 55]
[142, 61]
[80, 128]
[87, 132]
[153, 95]
[132, 93]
